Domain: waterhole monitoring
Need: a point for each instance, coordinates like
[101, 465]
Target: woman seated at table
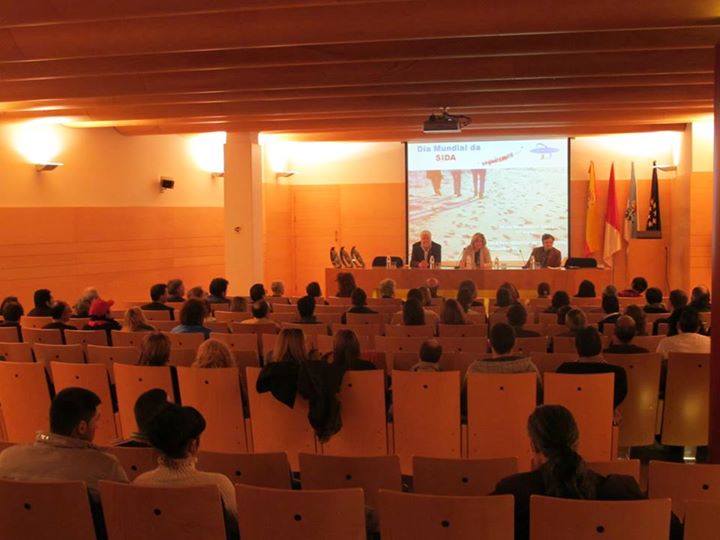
[476, 255]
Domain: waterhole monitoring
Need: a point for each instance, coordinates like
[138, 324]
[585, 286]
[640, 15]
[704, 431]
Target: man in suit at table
[545, 255]
[424, 250]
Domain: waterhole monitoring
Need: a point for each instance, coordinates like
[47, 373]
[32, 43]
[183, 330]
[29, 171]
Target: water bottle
[432, 262]
[388, 262]
[468, 262]
[497, 263]
[532, 262]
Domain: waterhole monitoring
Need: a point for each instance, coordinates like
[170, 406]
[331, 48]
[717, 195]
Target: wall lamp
[283, 174]
[220, 174]
[50, 166]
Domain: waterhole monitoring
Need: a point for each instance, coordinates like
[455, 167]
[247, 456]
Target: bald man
[625, 330]
[424, 251]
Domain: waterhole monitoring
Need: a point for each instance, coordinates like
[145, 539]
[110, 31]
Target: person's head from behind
[213, 353]
[560, 299]
[432, 283]
[543, 290]
[61, 311]
[176, 288]
[430, 351]
[134, 319]
[610, 290]
[73, 413]
[503, 297]
[414, 294]
[197, 292]
[517, 315]
[586, 289]
[290, 346]
[218, 287]
[514, 293]
[260, 309]
[387, 288]
[313, 289]
[678, 299]
[42, 298]
[158, 293]
[192, 313]
[562, 314]
[502, 338]
[610, 304]
[277, 288]
[147, 406]
[639, 284]
[575, 319]
[588, 342]
[257, 292]
[175, 431]
[306, 307]
[346, 348]
[470, 286]
[701, 296]
[346, 284]
[689, 322]
[465, 299]
[413, 313]
[452, 312]
[12, 311]
[7, 300]
[426, 296]
[238, 304]
[625, 329]
[155, 350]
[653, 296]
[358, 297]
[637, 314]
[100, 309]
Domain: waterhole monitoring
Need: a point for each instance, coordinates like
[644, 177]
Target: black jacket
[419, 255]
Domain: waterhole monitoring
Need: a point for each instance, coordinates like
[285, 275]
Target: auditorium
[359, 269]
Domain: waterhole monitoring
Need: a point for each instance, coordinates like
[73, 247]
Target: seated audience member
[175, 431]
[586, 289]
[588, 343]
[197, 292]
[158, 295]
[313, 289]
[559, 299]
[465, 299]
[610, 290]
[12, 313]
[346, 353]
[81, 309]
[61, 314]
[637, 288]
[260, 311]
[100, 318]
[175, 290]
[502, 341]
[135, 321]
[43, 302]
[346, 284]
[624, 334]
[688, 338]
[257, 292]
[470, 286]
[452, 313]
[306, 310]
[429, 356]
[514, 293]
[543, 290]
[678, 301]
[638, 315]
[218, 291]
[433, 284]
[146, 407]
[559, 471]
[575, 320]
[426, 297]
[213, 353]
[701, 299]
[413, 313]
[277, 288]
[431, 317]
[611, 309]
[7, 300]
[359, 304]
[238, 304]
[517, 317]
[155, 350]
[289, 347]
[503, 301]
[386, 288]
[562, 314]
[654, 301]
[192, 316]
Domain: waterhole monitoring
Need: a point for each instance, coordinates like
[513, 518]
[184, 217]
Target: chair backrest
[682, 482]
[686, 412]
[553, 329]
[498, 406]
[107, 356]
[24, 400]
[265, 470]
[590, 399]
[92, 377]
[338, 300]
[58, 353]
[164, 326]
[426, 409]
[549, 362]
[628, 467]
[182, 357]
[369, 329]
[477, 345]
[191, 340]
[86, 337]
[131, 382]
[284, 317]
[409, 516]
[663, 329]
[639, 410]
[564, 344]
[237, 342]
[153, 315]
[9, 334]
[45, 511]
[217, 327]
[34, 322]
[374, 319]
[216, 394]
[324, 344]
[702, 520]
[335, 472]
[135, 460]
[462, 330]
[647, 342]
[232, 316]
[460, 477]
[364, 427]
[120, 338]
[16, 352]
[38, 335]
[275, 426]
[552, 518]
[528, 345]
[402, 330]
[181, 513]
[299, 515]
[547, 318]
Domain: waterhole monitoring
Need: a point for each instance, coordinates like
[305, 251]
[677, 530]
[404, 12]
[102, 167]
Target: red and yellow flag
[593, 231]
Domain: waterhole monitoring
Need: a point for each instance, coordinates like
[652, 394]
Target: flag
[593, 232]
[631, 209]
[613, 239]
[653, 220]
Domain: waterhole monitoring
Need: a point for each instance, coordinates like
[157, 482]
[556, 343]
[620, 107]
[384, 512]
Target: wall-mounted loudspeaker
[166, 183]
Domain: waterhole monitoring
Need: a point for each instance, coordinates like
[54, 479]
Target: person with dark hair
[100, 318]
[433, 284]
[503, 301]
[238, 304]
[359, 304]
[260, 310]
[158, 295]
[562, 314]
[624, 333]
[452, 313]
[197, 292]
[61, 312]
[517, 317]
[192, 317]
[654, 301]
[218, 291]
[155, 350]
[512, 289]
[146, 407]
[678, 301]
[586, 289]
[465, 299]
[345, 355]
[637, 288]
[306, 310]
[545, 256]
[611, 308]
[257, 292]
[12, 312]
[470, 286]
[413, 313]
[543, 290]
[637, 314]
[346, 284]
[43, 301]
[559, 299]
[588, 343]
[313, 289]
[431, 318]
[429, 356]
[701, 299]
[688, 339]
[575, 320]
[175, 290]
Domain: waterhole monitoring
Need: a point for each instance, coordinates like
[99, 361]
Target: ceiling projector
[445, 123]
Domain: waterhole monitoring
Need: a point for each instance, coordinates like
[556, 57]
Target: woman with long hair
[586, 289]
[346, 284]
[135, 321]
[452, 313]
[476, 254]
[289, 347]
[155, 350]
[413, 313]
[213, 353]
[638, 315]
[346, 352]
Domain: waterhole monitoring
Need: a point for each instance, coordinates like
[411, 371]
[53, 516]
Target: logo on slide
[544, 150]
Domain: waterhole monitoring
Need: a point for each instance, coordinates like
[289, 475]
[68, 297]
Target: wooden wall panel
[278, 238]
[701, 197]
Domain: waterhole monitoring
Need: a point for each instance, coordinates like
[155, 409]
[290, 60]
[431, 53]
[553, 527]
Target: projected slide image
[511, 191]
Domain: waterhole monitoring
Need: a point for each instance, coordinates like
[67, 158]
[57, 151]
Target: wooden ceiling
[359, 69]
